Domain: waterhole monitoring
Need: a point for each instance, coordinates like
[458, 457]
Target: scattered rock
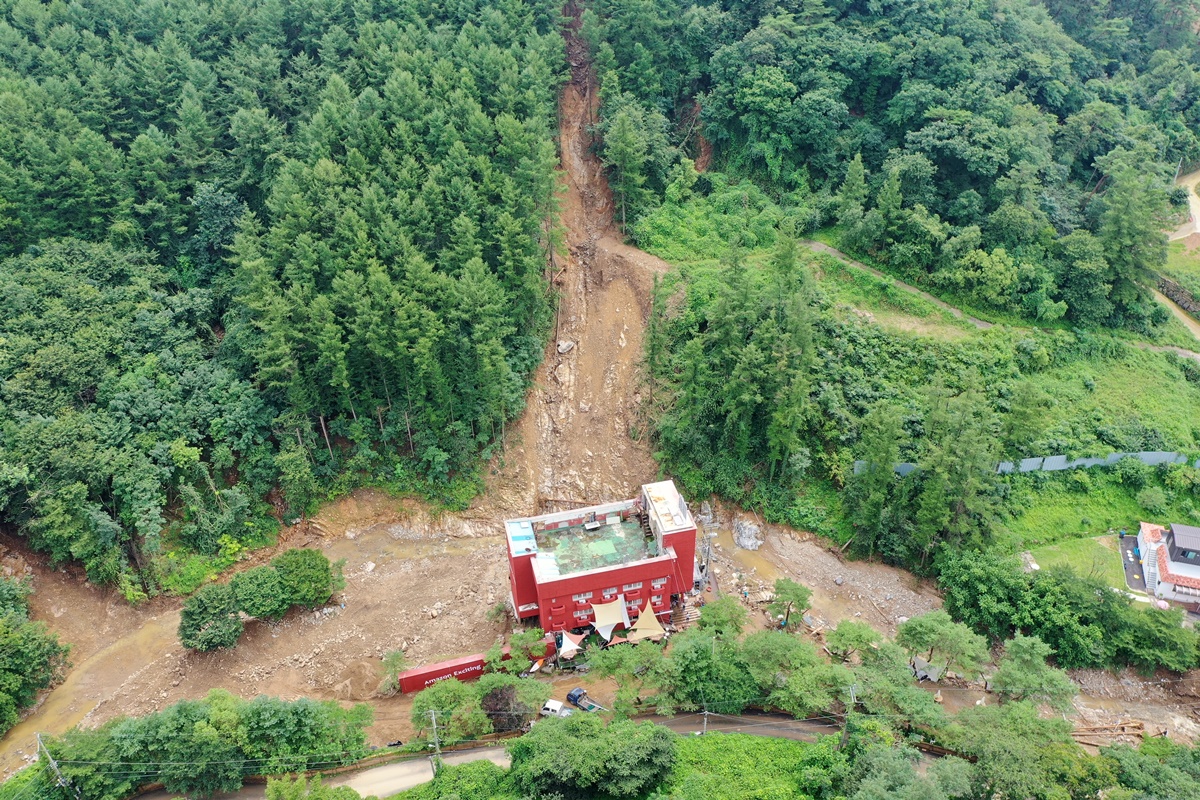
[839, 580]
[370, 567]
[1189, 684]
[565, 346]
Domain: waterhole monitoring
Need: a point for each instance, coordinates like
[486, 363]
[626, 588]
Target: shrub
[394, 662]
[1132, 472]
[260, 593]
[1153, 499]
[210, 619]
[307, 577]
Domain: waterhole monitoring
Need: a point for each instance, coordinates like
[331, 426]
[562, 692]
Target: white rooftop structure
[668, 511]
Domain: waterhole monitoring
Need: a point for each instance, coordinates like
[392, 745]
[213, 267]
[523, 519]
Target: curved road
[1191, 226]
[821, 247]
[394, 778]
[1189, 321]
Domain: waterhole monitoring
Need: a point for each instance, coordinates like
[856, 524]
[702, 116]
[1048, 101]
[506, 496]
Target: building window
[656, 600]
[583, 614]
[629, 587]
[658, 583]
[609, 592]
[579, 598]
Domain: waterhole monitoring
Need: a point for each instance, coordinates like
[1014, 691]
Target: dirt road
[820, 247]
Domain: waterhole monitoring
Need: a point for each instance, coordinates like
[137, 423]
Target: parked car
[554, 708]
[578, 697]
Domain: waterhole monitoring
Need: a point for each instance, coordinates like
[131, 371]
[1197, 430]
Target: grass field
[1096, 557]
[1184, 266]
[1080, 504]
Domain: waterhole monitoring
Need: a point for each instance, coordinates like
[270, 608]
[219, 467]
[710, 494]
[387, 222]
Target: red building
[639, 551]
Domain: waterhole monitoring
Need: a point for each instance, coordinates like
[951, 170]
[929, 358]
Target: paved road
[378, 781]
[1133, 570]
[779, 726]
[393, 778]
[1191, 226]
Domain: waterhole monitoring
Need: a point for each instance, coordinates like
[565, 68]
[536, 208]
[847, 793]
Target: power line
[63, 782]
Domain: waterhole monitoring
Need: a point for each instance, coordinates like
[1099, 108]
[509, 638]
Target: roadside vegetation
[31, 657]
[1002, 751]
[196, 748]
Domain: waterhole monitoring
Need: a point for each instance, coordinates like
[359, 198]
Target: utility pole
[63, 782]
[846, 719]
[436, 759]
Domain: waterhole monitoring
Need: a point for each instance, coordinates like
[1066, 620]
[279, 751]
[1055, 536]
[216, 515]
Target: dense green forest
[975, 147]
[1012, 157]
[256, 250]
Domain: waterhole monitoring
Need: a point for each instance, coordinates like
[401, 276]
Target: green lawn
[1097, 557]
[1184, 267]
[1058, 514]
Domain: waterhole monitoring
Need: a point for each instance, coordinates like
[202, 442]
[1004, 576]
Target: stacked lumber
[1128, 731]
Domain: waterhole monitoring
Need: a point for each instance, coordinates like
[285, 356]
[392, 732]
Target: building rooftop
[1152, 532]
[667, 507]
[1187, 537]
[601, 536]
[566, 551]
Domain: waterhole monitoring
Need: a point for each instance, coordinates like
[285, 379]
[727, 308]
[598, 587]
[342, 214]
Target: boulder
[747, 535]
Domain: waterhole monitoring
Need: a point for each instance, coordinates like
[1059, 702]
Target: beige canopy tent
[570, 646]
[609, 616]
[646, 627]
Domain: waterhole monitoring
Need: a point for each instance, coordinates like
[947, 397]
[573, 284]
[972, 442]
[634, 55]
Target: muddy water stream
[81, 694]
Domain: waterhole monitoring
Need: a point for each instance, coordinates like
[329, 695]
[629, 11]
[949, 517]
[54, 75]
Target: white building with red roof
[1171, 561]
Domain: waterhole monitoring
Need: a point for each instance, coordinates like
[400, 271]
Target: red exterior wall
[684, 543]
[463, 669]
[521, 580]
[556, 599]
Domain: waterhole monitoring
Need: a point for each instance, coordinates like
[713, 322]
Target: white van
[554, 708]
